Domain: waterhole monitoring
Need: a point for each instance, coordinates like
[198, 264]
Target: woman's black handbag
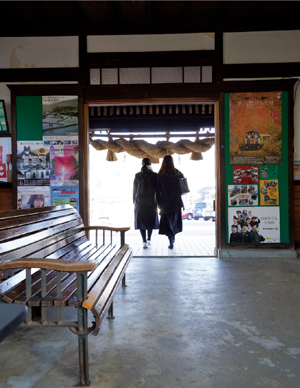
[261, 238]
[184, 187]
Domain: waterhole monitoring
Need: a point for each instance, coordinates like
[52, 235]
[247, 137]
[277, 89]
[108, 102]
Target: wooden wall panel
[6, 202]
[297, 215]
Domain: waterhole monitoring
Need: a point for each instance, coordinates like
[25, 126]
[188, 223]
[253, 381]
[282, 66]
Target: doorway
[110, 183]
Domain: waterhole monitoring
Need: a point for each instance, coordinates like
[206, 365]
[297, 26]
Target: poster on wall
[254, 225]
[64, 163]
[242, 195]
[33, 197]
[245, 174]
[60, 116]
[33, 163]
[268, 172]
[255, 128]
[269, 194]
[5, 149]
[297, 170]
[63, 195]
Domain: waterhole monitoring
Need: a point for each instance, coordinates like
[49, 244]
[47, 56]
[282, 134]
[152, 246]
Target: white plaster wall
[148, 43]
[261, 47]
[39, 52]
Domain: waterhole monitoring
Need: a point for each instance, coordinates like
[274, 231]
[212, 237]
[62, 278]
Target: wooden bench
[48, 264]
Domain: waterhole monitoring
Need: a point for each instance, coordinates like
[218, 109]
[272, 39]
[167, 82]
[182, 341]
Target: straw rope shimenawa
[141, 149]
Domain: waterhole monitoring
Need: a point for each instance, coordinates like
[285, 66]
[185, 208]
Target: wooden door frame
[157, 101]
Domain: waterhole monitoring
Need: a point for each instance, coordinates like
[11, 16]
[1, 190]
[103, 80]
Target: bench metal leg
[82, 332]
[83, 347]
[111, 311]
[124, 280]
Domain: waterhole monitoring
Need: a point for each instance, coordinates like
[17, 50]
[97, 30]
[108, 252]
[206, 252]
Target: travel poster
[5, 148]
[245, 174]
[60, 116]
[265, 220]
[33, 197]
[64, 195]
[242, 195]
[255, 128]
[33, 163]
[269, 194]
[269, 172]
[64, 163]
[297, 170]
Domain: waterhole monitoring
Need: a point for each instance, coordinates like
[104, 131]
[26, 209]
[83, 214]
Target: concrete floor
[181, 322]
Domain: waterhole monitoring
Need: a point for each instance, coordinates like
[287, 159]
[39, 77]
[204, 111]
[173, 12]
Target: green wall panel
[29, 118]
[283, 180]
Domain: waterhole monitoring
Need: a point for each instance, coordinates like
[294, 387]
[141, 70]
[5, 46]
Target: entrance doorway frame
[153, 101]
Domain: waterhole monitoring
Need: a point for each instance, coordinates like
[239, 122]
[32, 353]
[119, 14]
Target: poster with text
[245, 174]
[33, 163]
[255, 128]
[242, 195]
[5, 148]
[263, 220]
[33, 197]
[60, 116]
[269, 194]
[269, 172]
[64, 195]
[64, 163]
[297, 170]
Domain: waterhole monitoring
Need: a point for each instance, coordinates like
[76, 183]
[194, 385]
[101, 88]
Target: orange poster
[255, 128]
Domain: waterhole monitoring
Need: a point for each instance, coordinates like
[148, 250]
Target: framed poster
[3, 119]
[256, 128]
[263, 220]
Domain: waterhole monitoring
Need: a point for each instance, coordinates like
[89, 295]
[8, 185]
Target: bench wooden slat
[25, 230]
[57, 265]
[45, 246]
[101, 307]
[16, 213]
[51, 276]
[93, 295]
[10, 223]
[27, 240]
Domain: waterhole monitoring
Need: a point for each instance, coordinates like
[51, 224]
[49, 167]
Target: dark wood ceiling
[46, 18]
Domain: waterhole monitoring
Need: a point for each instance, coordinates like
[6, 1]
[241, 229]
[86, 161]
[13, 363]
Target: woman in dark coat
[144, 198]
[169, 200]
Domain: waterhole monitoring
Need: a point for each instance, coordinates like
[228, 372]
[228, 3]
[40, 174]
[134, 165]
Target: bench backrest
[38, 232]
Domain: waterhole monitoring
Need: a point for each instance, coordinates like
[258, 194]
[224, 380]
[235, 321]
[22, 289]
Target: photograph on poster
[60, 115]
[297, 170]
[245, 174]
[254, 225]
[242, 195]
[64, 165]
[33, 197]
[63, 195]
[33, 163]
[255, 128]
[269, 193]
[5, 149]
[268, 172]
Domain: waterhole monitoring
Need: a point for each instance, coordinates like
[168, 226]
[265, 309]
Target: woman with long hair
[169, 200]
[35, 201]
[145, 204]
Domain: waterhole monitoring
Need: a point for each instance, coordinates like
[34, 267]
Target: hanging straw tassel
[111, 156]
[196, 155]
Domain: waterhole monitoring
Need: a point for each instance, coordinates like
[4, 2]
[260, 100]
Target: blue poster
[64, 195]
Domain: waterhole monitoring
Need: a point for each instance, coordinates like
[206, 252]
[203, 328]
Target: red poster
[255, 128]
[2, 165]
[245, 174]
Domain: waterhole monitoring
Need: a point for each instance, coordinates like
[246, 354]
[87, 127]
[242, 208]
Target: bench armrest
[107, 227]
[56, 265]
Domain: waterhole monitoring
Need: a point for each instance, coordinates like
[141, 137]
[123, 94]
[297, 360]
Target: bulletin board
[256, 164]
[47, 151]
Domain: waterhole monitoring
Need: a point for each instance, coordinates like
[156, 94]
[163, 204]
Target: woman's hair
[145, 162]
[33, 197]
[167, 167]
